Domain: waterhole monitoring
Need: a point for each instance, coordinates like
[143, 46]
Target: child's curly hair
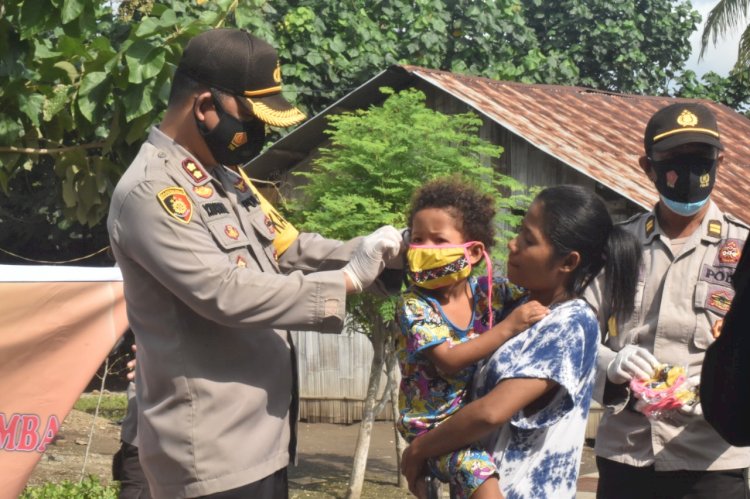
[474, 211]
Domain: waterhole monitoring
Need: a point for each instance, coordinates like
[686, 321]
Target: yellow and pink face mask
[438, 266]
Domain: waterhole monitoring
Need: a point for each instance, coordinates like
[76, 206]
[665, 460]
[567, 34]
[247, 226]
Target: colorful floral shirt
[427, 396]
[538, 455]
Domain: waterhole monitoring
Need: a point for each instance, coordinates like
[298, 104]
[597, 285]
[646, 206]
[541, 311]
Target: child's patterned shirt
[427, 396]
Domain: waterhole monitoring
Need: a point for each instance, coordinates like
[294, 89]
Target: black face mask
[685, 178]
[232, 141]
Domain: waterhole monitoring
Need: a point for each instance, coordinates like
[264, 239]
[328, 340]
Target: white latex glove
[368, 260]
[631, 362]
[692, 409]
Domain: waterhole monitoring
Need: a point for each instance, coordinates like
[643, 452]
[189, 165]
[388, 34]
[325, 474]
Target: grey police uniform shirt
[208, 303]
[678, 300]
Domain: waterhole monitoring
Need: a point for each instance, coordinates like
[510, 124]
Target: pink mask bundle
[665, 391]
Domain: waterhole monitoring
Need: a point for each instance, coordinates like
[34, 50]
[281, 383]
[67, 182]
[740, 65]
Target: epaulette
[632, 219]
[736, 221]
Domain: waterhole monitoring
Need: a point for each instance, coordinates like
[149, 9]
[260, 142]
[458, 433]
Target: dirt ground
[324, 463]
[325, 458]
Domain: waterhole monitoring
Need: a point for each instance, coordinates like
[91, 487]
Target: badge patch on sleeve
[719, 301]
[176, 203]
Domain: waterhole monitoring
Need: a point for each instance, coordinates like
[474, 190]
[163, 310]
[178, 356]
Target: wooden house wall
[334, 370]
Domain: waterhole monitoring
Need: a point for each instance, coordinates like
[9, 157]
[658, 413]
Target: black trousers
[127, 470]
[622, 481]
[274, 486]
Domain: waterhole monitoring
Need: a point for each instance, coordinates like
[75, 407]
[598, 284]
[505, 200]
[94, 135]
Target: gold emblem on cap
[686, 118]
[704, 180]
[277, 73]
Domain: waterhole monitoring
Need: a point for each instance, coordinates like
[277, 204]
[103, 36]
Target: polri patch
[213, 209]
[176, 202]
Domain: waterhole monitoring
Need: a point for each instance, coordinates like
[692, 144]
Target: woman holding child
[531, 397]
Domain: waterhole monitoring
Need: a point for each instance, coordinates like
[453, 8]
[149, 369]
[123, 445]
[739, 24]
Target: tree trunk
[394, 374]
[368, 414]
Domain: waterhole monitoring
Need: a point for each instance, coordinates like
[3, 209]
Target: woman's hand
[413, 468]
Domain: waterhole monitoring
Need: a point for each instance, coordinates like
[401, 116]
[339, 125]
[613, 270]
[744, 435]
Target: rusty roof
[599, 134]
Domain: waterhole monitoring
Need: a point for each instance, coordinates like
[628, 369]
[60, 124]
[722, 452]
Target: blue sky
[720, 58]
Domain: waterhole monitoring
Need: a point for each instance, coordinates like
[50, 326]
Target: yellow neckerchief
[286, 233]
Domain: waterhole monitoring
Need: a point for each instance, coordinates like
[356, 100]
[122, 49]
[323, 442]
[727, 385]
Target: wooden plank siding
[334, 371]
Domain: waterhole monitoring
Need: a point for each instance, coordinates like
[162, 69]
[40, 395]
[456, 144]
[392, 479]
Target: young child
[452, 228]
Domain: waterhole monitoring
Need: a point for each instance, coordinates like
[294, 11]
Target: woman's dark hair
[576, 219]
[474, 211]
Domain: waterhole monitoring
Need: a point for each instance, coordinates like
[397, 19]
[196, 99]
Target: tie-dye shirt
[427, 396]
[538, 455]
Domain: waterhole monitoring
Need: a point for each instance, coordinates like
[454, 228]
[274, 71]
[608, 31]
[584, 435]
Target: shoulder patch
[714, 228]
[194, 170]
[176, 203]
[730, 251]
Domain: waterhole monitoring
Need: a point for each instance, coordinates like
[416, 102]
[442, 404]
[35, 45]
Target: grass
[113, 405]
[88, 488]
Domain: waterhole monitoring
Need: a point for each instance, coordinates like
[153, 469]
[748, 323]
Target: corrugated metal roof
[600, 134]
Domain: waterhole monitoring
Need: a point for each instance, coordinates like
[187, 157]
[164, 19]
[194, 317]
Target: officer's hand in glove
[631, 362]
[692, 408]
[368, 259]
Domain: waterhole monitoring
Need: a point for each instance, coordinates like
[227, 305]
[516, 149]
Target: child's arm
[450, 360]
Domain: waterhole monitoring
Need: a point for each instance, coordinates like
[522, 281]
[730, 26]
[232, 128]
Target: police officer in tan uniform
[690, 250]
[214, 277]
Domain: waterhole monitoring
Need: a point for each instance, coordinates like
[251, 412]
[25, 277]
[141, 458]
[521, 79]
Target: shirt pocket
[711, 303]
[263, 225]
[228, 233]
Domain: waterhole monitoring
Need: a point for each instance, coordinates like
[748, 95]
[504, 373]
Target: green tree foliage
[632, 46]
[80, 84]
[732, 91]
[728, 15]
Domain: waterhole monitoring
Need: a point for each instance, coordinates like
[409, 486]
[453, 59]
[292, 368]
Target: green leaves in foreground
[89, 488]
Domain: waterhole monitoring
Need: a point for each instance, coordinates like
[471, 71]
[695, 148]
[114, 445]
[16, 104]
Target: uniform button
[162, 154]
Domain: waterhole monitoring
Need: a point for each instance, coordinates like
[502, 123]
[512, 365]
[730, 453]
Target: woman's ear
[475, 252]
[570, 262]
